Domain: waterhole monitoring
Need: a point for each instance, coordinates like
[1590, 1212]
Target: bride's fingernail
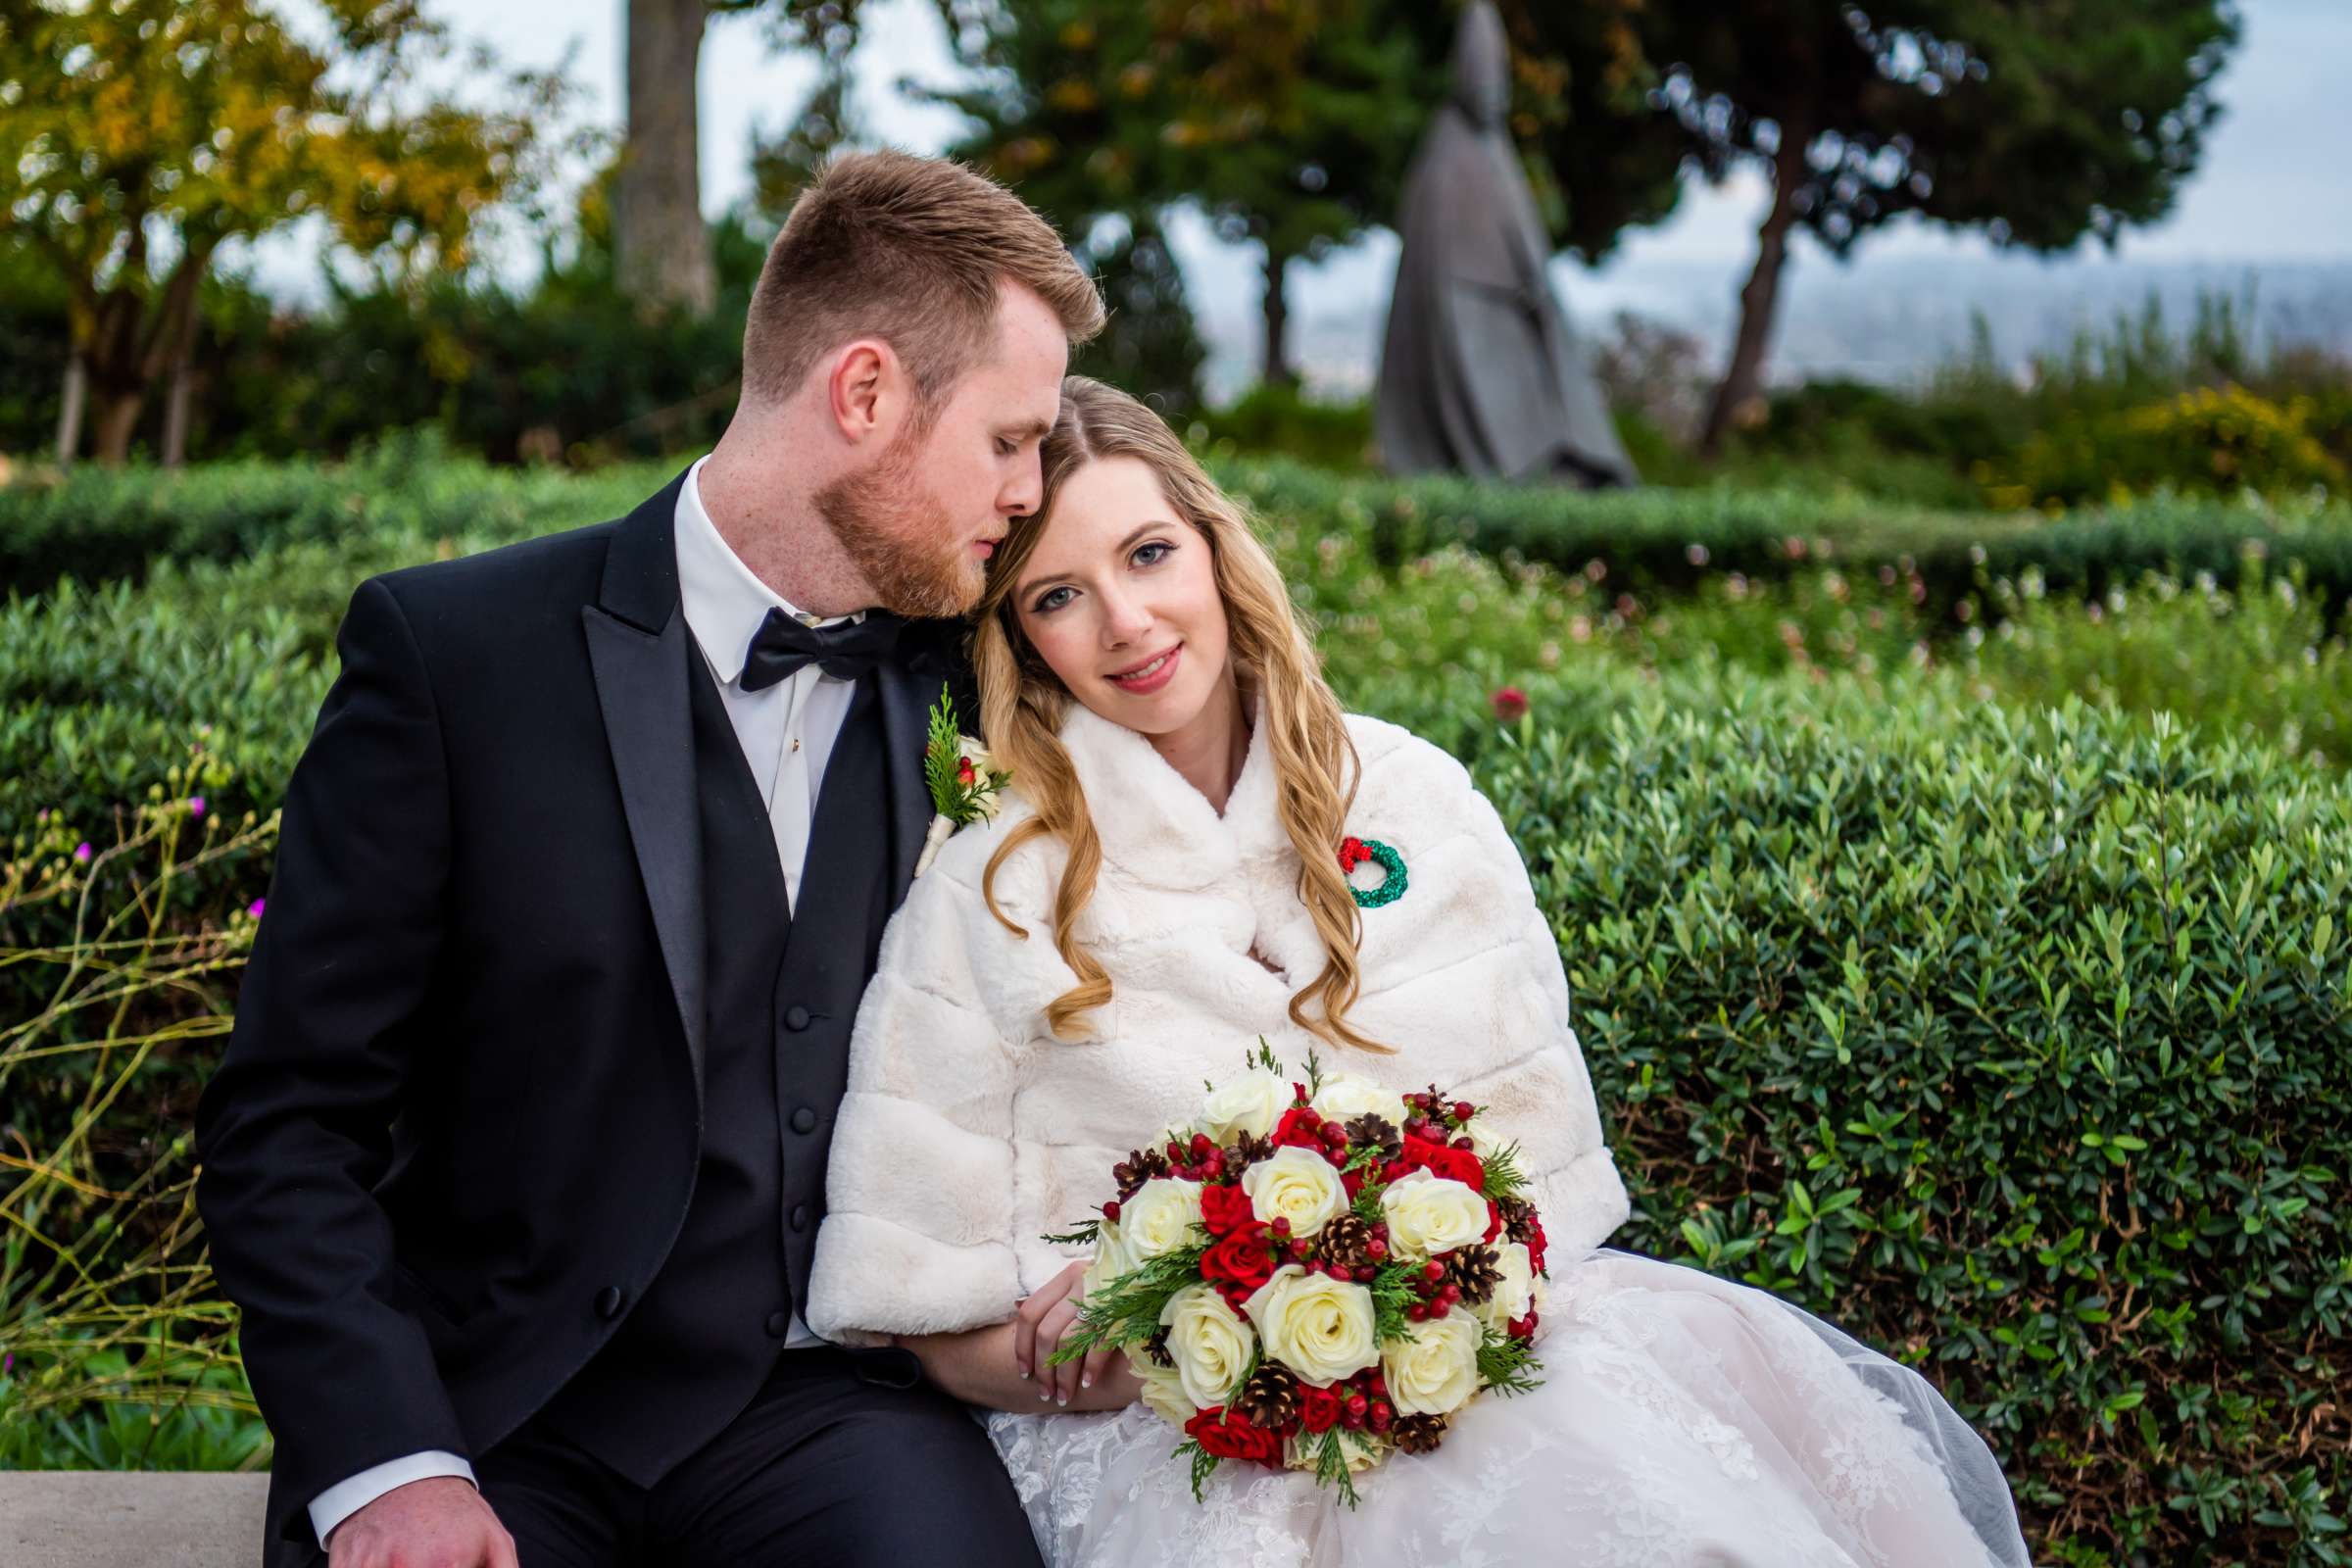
[1086, 1382]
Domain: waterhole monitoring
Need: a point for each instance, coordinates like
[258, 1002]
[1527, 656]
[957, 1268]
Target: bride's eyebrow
[1124, 545]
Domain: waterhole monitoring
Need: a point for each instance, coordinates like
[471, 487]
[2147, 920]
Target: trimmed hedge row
[2019, 1044]
[98, 525]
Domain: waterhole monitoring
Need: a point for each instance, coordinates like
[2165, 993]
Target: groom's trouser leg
[827, 1467]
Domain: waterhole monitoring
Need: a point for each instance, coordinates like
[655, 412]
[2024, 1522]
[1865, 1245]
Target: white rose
[1112, 1258]
[1431, 1214]
[1250, 1104]
[1302, 1449]
[1515, 1295]
[1296, 1185]
[1209, 1344]
[1159, 1217]
[1319, 1327]
[1434, 1369]
[1343, 1097]
[984, 764]
[1483, 1142]
[1163, 1390]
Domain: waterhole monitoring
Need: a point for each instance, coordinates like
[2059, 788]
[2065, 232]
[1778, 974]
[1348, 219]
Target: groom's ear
[864, 390]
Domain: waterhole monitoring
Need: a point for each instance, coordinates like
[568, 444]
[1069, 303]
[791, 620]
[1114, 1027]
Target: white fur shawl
[967, 1131]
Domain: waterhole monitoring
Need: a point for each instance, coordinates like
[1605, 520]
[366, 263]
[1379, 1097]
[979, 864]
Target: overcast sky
[2275, 184]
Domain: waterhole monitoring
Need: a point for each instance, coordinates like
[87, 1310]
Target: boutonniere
[965, 780]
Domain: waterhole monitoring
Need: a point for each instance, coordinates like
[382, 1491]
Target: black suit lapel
[638, 646]
[911, 686]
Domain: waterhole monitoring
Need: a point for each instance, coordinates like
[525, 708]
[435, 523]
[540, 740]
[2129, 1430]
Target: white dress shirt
[787, 732]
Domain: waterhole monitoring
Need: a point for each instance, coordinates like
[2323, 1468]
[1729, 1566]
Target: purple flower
[195, 805]
[255, 908]
[81, 852]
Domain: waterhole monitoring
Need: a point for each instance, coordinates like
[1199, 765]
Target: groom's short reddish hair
[909, 250]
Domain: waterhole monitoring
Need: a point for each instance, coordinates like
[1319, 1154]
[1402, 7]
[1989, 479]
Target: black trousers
[823, 1467]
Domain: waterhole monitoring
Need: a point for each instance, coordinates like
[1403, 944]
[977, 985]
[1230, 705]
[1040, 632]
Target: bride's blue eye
[1047, 602]
[1165, 550]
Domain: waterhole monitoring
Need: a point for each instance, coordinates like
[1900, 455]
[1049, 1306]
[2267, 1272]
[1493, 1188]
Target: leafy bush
[2022, 1045]
[2206, 441]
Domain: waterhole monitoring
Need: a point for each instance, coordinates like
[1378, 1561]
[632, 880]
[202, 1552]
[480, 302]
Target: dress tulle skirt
[1682, 1420]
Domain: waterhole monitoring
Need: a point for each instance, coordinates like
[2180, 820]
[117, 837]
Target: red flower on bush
[1240, 1259]
[1509, 703]
[1229, 1435]
[1224, 1210]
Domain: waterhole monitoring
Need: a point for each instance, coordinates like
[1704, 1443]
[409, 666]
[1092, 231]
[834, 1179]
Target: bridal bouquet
[1315, 1275]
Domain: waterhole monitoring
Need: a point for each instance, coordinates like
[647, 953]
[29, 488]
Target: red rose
[1454, 1164]
[1510, 704]
[1240, 1259]
[1296, 1130]
[1535, 1243]
[1494, 1221]
[1224, 1210]
[1318, 1408]
[1229, 1435]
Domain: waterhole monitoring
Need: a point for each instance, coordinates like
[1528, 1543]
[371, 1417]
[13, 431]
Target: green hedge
[2022, 1045]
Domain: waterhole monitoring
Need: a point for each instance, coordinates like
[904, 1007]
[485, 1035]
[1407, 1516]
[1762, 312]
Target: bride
[1161, 887]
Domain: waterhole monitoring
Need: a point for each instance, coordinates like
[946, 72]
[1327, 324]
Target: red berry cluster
[1353, 853]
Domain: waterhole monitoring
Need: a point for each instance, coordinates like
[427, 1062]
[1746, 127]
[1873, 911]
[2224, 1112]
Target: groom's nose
[1025, 489]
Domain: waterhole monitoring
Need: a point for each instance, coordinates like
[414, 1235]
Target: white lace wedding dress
[1683, 1420]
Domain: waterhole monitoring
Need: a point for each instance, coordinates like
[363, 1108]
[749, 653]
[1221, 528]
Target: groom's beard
[900, 537]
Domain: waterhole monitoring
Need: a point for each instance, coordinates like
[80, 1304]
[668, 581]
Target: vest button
[800, 1216]
[609, 1301]
[779, 1324]
[804, 1120]
[796, 1018]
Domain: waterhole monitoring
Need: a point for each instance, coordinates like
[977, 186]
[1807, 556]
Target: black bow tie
[845, 649]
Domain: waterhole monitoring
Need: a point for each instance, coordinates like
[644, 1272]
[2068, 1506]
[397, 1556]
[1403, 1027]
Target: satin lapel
[638, 647]
[907, 690]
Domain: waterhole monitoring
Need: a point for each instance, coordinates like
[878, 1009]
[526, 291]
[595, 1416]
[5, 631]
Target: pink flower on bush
[255, 908]
[81, 852]
[195, 805]
[1510, 704]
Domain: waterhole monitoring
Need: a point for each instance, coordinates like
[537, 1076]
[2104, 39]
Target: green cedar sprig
[1506, 1177]
[1331, 1465]
[1127, 1311]
[1264, 1056]
[943, 756]
[1204, 1463]
[1087, 1233]
[1507, 1364]
[1391, 1290]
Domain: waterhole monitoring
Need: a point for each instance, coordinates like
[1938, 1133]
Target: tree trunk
[1278, 372]
[1760, 300]
[662, 247]
[117, 422]
[176, 415]
[69, 417]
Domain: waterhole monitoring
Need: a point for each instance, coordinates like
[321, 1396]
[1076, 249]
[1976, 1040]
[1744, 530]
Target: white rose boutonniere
[964, 779]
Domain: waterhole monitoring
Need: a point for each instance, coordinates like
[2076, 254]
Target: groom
[516, 1158]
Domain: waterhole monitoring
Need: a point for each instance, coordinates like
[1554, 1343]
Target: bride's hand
[1037, 1328]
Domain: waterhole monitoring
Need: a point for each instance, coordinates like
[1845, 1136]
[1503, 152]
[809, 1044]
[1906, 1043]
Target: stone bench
[130, 1519]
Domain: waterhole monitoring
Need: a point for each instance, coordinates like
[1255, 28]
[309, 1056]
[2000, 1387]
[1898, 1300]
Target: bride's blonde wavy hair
[1023, 702]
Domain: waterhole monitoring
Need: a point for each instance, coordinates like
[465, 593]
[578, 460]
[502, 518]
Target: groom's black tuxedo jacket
[457, 1130]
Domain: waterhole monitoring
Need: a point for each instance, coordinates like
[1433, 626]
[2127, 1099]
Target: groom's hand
[440, 1522]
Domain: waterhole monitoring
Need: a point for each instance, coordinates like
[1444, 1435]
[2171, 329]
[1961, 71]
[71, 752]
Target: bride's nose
[1125, 618]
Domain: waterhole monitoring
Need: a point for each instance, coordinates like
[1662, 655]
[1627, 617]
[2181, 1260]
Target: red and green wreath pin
[1355, 851]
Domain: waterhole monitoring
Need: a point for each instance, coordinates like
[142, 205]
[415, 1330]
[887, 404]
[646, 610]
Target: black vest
[782, 993]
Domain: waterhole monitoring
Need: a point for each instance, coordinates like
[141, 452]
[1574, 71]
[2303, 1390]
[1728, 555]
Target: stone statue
[1481, 373]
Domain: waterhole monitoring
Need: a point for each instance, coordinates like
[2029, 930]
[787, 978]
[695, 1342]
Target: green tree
[1287, 121]
[142, 136]
[2035, 124]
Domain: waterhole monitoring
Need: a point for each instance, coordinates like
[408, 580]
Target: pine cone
[1473, 1269]
[1270, 1398]
[1417, 1433]
[1518, 1219]
[1345, 1241]
[1245, 1151]
[1157, 1348]
[1376, 1131]
[1140, 1167]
